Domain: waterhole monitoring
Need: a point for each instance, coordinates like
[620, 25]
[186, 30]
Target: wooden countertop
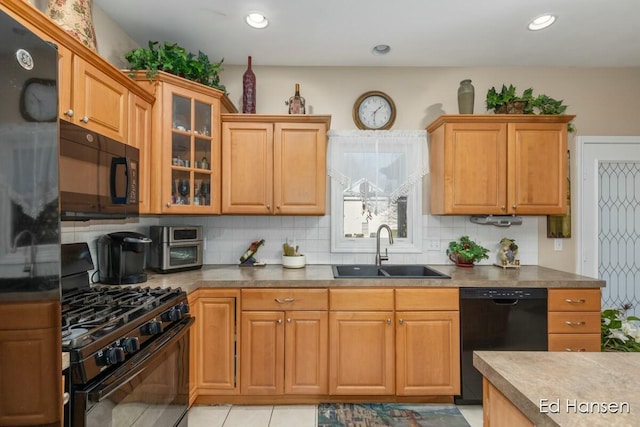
[321, 276]
[590, 381]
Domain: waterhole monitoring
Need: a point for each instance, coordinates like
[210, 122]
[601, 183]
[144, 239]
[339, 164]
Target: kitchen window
[376, 179]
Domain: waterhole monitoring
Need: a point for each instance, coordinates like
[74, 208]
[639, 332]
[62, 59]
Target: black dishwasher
[498, 319]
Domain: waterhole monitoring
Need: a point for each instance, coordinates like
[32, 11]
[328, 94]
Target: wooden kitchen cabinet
[139, 136]
[91, 98]
[284, 341]
[498, 164]
[215, 365]
[274, 165]
[361, 347]
[427, 342]
[30, 336]
[185, 155]
[574, 319]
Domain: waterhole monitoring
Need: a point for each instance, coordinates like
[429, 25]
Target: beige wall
[603, 99]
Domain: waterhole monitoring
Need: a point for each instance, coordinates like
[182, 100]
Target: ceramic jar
[466, 94]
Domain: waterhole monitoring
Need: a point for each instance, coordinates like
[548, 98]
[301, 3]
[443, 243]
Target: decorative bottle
[249, 91]
[465, 97]
[296, 102]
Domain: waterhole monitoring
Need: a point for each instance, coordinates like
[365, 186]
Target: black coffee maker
[122, 258]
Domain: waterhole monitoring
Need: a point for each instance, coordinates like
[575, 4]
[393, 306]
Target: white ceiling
[587, 33]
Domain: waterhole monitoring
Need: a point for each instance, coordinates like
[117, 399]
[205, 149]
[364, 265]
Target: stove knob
[131, 345]
[184, 308]
[113, 356]
[172, 315]
[152, 328]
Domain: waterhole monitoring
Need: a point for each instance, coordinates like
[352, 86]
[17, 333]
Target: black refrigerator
[30, 343]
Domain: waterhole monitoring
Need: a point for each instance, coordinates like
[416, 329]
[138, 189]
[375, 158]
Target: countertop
[221, 276]
[588, 380]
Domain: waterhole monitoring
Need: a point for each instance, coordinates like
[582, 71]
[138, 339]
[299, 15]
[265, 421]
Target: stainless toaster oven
[175, 248]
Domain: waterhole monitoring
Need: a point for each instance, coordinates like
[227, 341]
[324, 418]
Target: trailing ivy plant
[501, 102]
[175, 59]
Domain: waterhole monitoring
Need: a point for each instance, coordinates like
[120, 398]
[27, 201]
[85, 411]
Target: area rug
[389, 415]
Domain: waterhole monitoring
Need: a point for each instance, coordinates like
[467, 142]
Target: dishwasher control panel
[519, 293]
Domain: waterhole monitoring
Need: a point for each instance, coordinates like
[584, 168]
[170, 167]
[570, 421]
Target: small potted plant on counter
[465, 252]
[291, 258]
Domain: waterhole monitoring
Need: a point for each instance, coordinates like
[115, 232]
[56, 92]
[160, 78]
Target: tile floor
[280, 416]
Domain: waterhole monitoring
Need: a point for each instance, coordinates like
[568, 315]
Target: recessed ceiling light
[541, 22]
[257, 20]
[381, 49]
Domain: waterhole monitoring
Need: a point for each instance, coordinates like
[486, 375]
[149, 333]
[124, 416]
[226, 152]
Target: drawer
[574, 299]
[574, 323]
[285, 299]
[360, 299]
[574, 342]
[427, 299]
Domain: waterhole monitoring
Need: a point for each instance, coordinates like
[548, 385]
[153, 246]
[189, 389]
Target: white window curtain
[378, 165]
[28, 177]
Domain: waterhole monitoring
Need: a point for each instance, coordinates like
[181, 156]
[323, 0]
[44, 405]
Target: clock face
[374, 110]
[39, 100]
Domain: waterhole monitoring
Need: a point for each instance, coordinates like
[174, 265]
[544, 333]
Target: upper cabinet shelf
[498, 164]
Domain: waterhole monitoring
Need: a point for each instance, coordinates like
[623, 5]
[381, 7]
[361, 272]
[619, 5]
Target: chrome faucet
[385, 257]
[28, 263]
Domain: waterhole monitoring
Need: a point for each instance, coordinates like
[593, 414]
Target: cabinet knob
[401, 321]
[85, 119]
[288, 320]
[68, 113]
[388, 321]
[168, 204]
[279, 320]
[268, 206]
[503, 207]
[514, 206]
[277, 206]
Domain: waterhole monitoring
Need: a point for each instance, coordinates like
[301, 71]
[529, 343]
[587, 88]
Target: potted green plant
[175, 59]
[507, 102]
[291, 258]
[465, 252]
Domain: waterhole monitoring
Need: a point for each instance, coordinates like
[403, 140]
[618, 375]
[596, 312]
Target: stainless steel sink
[405, 271]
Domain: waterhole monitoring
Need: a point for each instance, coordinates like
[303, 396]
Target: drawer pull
[580, 350]
[65, 398]
[573, 301]
[284, 300]
[570, 323]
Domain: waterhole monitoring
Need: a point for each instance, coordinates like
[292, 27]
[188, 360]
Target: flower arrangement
[620, 333]
[466, 251]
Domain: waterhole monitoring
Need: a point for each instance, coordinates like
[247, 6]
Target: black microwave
[98, 175]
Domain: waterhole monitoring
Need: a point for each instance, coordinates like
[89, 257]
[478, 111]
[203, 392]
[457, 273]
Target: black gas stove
[104, 325]
[114, 334]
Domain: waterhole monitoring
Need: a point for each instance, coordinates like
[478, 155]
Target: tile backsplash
[227, 237]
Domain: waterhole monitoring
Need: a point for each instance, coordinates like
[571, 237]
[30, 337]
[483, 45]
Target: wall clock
[374, 110]
[39, 100]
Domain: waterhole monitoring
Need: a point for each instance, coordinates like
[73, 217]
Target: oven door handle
[139, 362]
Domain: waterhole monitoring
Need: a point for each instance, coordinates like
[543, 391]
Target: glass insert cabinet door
[194, 155]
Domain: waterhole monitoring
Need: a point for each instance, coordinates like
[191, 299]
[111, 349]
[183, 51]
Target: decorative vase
[461, 261]
[75, 17]
[249, 91]
[466, 94]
